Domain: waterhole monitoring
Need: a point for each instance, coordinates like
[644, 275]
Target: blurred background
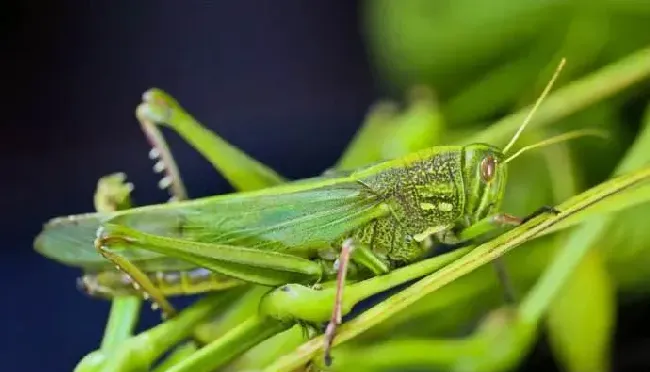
[288, 82]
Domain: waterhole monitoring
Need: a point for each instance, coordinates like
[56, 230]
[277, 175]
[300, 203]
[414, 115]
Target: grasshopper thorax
[484, 178]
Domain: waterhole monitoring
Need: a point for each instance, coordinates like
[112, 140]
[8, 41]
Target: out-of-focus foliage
[584, 307]
[485, 59]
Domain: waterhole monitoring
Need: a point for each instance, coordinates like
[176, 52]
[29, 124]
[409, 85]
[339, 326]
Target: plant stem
[121, 321]
[241, 338]
[177, 356]
[140, 352]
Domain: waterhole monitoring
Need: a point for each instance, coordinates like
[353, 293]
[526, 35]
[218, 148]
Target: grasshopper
[357, 223]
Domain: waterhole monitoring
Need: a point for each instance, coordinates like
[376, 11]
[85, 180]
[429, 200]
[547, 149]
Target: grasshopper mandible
[359, 223]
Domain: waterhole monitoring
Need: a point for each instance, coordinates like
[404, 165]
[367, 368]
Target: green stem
[268, 351]
[403, 353]
[234, 343]
[140, 352]
[245, 306]
[124, 310]
[377, 284]
[119, 328]
[153, 343]
[295, 301]
[495, 346]
[121, 321]
[179, 354]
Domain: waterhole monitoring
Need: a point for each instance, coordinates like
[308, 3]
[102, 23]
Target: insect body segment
[284, 231]
[388, 209]
[421, 191]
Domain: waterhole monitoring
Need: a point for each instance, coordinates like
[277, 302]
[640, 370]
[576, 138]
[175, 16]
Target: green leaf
[581, 318]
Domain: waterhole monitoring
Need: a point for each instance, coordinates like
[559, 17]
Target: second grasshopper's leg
[241, 170]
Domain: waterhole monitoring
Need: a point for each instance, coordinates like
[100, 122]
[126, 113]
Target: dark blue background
[288, 82]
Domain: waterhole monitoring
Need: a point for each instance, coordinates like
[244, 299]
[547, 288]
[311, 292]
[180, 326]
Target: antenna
[560, 138]
[534, 109]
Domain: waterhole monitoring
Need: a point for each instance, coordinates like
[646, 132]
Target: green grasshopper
[176, 277]
[360, 223]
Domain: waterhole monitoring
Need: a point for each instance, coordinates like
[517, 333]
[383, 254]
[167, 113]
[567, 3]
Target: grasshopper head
[485, 170]
[484, 176]
[485, 166]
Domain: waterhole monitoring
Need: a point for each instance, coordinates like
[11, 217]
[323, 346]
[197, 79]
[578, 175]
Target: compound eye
[488, 168]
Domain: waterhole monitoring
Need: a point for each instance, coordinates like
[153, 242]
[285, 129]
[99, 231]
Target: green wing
[69, 240]
[297, 216]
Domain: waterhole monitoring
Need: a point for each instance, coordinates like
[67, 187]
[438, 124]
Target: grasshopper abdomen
[110, 284]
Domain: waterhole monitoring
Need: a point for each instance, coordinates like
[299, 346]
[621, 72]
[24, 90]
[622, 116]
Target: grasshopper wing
[295, 217]
[69, 240]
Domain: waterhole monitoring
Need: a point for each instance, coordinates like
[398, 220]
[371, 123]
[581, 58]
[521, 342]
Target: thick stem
[245, 306]
[150, 345]
[121, 321]
[234, 343]
[140, 352]
[179, 354]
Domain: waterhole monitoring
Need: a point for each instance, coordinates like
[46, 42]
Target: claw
[542, 210]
